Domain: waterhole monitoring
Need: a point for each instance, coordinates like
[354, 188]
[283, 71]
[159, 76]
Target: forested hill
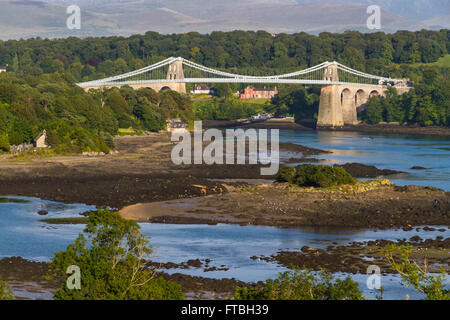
[39, 92]
[251, 52]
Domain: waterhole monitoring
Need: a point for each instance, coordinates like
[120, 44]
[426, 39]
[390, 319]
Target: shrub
[5, 291]
[315, 176]
[287, 174]
[303, 285]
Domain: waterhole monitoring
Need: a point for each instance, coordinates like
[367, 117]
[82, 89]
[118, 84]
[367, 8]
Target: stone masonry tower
[330, 111]
[175, 73]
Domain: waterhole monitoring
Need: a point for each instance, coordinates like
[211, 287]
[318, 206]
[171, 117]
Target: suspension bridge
[344, 89]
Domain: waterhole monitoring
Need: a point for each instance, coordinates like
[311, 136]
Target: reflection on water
[332, 230]
[396, 152]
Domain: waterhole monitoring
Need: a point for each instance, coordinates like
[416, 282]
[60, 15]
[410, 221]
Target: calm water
[396, 152]
[22, 234]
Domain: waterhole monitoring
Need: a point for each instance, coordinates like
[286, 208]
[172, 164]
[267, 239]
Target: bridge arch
[348, 106]
[361, 98]
[374, 93]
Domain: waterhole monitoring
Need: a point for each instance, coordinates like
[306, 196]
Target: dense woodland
[39, 92]
[251, 52]
[78, 121]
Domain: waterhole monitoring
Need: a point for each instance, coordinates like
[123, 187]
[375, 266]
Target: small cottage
[176, 125]
[40, 141]
[203, 89]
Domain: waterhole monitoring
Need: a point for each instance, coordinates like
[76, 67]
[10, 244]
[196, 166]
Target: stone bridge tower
[330, 112]
[176, 73]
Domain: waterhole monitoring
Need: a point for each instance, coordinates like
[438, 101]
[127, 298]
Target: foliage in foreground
[416, 276]
[303, 285]
[112, 265]
[5, 291]
[315, 176]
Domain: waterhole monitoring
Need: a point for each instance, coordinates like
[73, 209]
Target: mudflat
[141, 171]
[368, 205]
[142, 174]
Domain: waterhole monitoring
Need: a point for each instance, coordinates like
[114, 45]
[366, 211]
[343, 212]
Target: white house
[202, 89]
[2, 69]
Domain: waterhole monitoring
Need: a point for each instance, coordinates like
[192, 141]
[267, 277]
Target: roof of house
[261, 89]
[43, 134]
[202, 87]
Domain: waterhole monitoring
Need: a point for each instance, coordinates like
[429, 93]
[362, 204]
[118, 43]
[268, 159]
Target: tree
[5, 291]
[374, 110]
[112, 266]
[223, 90]
[117, 103]
[4, 142]
[150, 119]
[415, 275]
[303, 285]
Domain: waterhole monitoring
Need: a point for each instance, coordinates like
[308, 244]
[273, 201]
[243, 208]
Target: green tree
[117, 103]
[5, 291]
[4, 142]
[112, 266]
[373, 113]
[415, 275]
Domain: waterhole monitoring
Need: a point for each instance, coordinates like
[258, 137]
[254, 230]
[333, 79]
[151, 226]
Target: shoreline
[141, 171]
[311, 126]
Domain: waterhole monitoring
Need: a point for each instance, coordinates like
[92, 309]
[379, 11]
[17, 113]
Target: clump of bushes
[318, 176]
[303, 285]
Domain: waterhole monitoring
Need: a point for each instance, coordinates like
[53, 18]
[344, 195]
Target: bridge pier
[330, 111]
[339, 103]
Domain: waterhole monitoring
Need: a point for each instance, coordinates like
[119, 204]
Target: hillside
[27, 18]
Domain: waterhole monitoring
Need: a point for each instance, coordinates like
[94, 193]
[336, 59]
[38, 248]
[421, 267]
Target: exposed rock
[359, 170]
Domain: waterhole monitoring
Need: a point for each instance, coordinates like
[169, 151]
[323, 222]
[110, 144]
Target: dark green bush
[287, 174]
[315, 176]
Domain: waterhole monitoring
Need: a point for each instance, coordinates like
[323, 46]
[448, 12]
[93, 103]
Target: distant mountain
[47, 18]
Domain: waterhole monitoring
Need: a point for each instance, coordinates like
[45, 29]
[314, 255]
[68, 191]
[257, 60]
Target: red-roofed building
[259, 93]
